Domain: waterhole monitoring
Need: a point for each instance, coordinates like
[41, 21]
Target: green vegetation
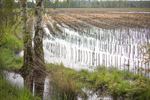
[8, 60]
[11, 46]
[65, 82]
[106, 81]
[10, 37]
[9, 92]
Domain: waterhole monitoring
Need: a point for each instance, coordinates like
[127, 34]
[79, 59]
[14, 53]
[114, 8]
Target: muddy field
[102, 18]
[84, 38]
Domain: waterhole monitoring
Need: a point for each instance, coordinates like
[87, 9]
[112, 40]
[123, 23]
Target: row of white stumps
[120, 48]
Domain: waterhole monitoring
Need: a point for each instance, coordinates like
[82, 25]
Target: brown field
[102, 18]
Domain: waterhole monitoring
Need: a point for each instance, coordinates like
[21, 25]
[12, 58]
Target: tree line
[94, 4]
[88, 4]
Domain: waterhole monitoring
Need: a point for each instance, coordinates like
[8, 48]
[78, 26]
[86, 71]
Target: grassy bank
[69, 83]
[9, 92]
[10, 45]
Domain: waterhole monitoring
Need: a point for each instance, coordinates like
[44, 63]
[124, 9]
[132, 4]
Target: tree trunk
[39, 65]
[38, 38]
[1, 4]
[27, 67]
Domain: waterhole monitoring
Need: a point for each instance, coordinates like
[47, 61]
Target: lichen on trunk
[39, 64]
[38, 38]
[26, 69]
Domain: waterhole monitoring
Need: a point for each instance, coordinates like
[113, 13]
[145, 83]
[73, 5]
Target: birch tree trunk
[38, 38]
[27, 67]
[39, 65]
[33, 66]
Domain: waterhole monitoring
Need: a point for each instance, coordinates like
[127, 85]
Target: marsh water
[122, 48]
[17, 80]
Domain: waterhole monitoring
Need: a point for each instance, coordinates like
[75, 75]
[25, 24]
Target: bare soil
[101, 18]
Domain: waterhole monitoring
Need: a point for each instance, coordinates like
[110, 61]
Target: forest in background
[95, 4]
[90, 4]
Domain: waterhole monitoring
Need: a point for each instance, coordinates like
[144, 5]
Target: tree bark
[27, 67]
[38, 38]
[39, 64]
[33, 69]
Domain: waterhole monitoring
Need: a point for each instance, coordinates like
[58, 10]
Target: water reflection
[46, 93]
[120, 48]
[14, 78]
[40, 85]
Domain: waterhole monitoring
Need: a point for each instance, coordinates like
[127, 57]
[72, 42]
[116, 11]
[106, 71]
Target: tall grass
[65, 87]
[104, 81]
[10, 45]
[9, 92]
